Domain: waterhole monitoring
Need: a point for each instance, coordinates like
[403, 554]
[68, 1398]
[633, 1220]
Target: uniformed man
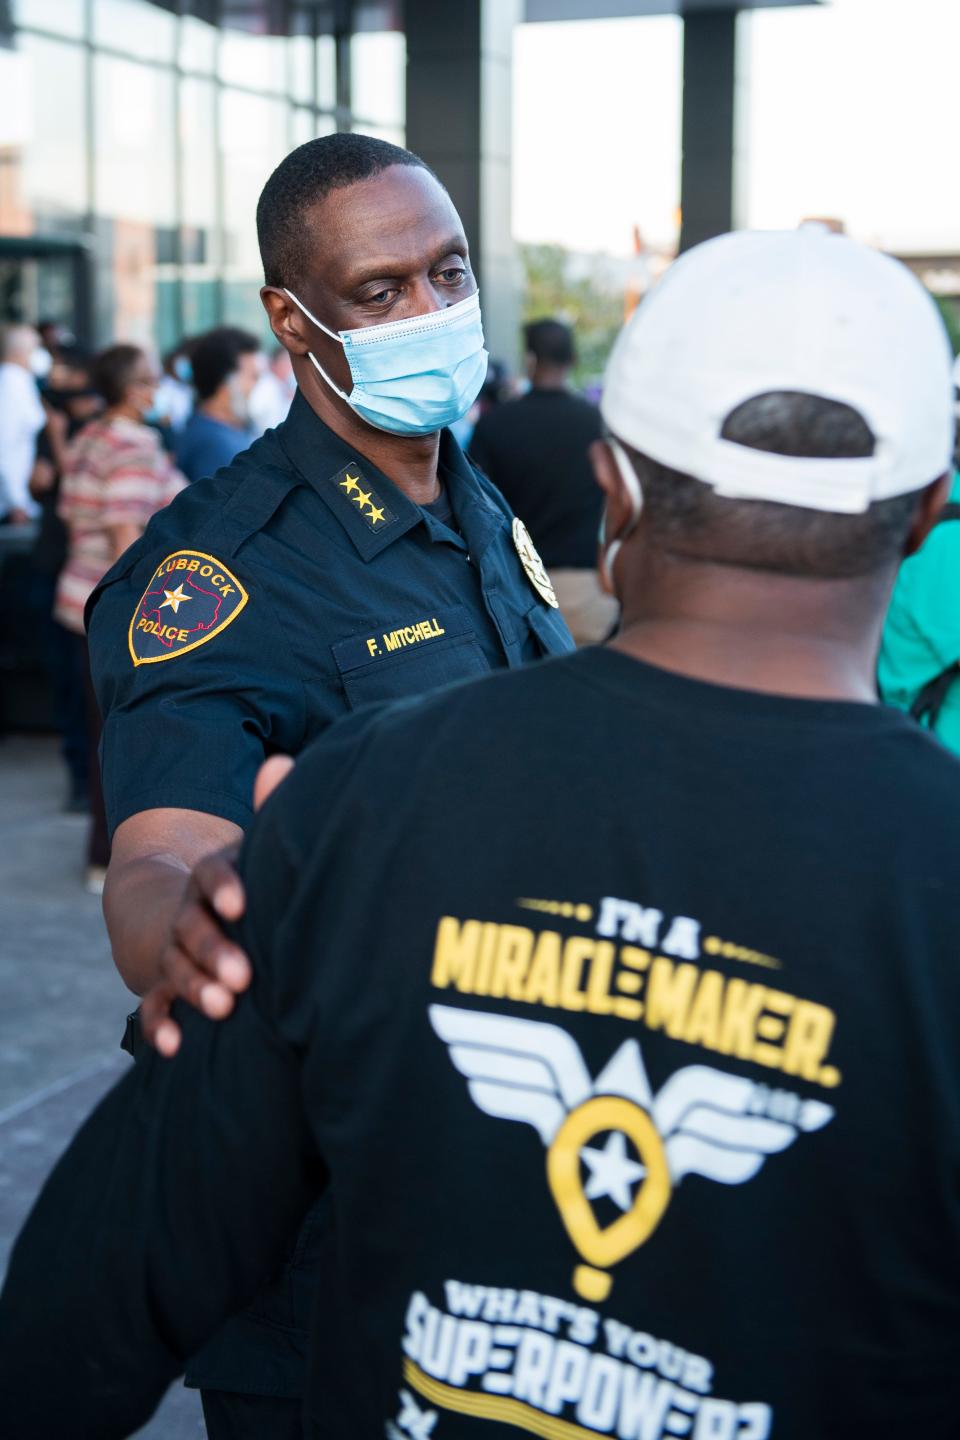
[617, 997]
[351, 555]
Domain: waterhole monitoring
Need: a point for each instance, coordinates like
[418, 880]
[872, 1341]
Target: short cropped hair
[112, 371]
[302, 180]
[686, 517]
[550, 342]
[216, 355]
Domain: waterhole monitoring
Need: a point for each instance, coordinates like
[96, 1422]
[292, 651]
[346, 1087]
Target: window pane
[136, 27]
[254, 140]
[198, 45]
[43, 184]
[301, 68]
[64, 17]
[394, 133]
[134, 195]
[199, 234]
[378, 72]
[326, 71]
[302, 127]
[201, 302]
[258, 62]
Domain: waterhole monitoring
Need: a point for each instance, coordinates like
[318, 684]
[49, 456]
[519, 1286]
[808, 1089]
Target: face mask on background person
[609, 551]
[413, 376]
[40, 362]
[182, 369]
[158, 410]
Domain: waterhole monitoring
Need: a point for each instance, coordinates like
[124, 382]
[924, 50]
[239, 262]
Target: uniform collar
[478, 519]
[370, 508]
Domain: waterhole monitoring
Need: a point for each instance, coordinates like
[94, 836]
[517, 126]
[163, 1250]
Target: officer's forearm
[140, 903]
[153, 855]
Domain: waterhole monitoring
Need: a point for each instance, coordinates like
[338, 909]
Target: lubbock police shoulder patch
[191, 597]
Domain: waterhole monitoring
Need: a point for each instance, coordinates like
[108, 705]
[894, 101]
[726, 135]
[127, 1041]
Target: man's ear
[932, 501]
[286, 321]
[606, 472]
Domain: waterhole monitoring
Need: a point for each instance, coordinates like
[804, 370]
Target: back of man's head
[215, 356]
[304, 178]
[550, 342]
[784, 398]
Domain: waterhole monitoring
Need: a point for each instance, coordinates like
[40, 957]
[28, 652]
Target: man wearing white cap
[630, 1067]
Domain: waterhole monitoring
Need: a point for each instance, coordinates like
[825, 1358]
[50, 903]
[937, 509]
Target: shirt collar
[478, 519]
[370, 508]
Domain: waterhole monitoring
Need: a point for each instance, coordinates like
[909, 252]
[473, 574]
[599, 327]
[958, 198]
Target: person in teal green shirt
[921, 635]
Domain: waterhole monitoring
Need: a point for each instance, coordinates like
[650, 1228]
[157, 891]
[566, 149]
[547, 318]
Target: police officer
[349, 556]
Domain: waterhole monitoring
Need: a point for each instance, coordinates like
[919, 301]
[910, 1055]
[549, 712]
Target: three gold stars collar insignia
[533, 566]
[355, 488]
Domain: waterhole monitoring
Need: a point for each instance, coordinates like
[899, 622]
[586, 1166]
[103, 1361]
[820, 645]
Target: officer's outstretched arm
[149, 886]
[153, 897]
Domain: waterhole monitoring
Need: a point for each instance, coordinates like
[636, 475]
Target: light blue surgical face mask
[414, 376]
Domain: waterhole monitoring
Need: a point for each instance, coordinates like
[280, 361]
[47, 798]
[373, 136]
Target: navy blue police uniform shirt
[295, 585]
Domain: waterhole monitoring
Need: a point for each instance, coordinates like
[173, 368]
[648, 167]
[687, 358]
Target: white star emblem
[611, 1171]
[175, 598]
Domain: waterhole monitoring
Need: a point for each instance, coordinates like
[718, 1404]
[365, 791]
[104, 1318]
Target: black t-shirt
[535, 450]
[442, 510]
[621, 1011]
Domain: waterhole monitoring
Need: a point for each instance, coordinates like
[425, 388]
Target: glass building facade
[135, 139]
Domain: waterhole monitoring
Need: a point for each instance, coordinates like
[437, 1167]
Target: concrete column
[707, 191]
[459, 82]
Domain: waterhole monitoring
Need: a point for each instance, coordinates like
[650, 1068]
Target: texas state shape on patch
[190, 599]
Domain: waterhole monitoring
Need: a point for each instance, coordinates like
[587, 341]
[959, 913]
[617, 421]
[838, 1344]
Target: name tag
[400, 634]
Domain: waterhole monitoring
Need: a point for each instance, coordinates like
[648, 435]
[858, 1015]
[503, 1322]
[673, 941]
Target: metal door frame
[79, 251]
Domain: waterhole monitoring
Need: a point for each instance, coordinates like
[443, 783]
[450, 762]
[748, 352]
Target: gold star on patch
[360, 499]
[174, 598]
[373, 514]
[351, 483]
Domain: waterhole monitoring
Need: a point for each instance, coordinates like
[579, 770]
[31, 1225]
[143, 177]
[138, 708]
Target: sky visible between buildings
[851, 110]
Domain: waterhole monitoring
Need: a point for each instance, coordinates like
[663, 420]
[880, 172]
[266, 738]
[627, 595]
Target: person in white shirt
[23, 360]
[272, 393]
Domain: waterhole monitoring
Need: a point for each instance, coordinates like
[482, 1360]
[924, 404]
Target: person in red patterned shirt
[116, 476]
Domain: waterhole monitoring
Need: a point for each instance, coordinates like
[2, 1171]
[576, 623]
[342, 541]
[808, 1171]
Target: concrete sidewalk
[63, 1005]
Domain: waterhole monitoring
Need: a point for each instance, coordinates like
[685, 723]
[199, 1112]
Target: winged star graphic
[702, 1121]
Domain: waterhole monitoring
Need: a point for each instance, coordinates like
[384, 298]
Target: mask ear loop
[310, 355]
[631, 484]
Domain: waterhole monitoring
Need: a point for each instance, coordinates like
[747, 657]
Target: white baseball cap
[803, 310]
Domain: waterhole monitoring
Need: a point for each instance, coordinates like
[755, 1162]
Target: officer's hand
[200, 965]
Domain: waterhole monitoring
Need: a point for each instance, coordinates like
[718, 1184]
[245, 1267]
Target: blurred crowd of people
[91, 446]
